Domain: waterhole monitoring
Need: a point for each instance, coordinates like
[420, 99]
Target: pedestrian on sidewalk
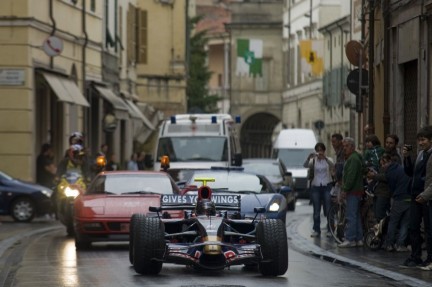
[352, 191]
[425, 198]
[132, 163]
[419, 211]
[45, 167]
[321, 169]
[112, 164]
[336, 141]
[399, 185]
[390, 145]
[381, 199]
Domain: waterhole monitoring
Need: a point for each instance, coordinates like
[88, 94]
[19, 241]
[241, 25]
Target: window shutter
[142, 37]
[131, 35]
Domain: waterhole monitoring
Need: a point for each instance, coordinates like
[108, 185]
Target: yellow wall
[166, 45]
[21, 48]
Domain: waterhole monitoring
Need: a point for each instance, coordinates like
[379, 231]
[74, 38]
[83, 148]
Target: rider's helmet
[76, 153]
[205, 207]
[76, 138]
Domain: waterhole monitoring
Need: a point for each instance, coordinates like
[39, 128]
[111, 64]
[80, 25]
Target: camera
[408, 147]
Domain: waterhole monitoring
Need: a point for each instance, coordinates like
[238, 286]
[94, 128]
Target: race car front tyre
[272, 237]
[135, 219]
[148, 245]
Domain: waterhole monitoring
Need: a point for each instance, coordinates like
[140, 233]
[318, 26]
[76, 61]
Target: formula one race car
[211, 236]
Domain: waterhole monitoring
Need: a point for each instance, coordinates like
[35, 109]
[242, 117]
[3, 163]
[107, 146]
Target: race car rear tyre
[272, 237]
[148, 245]
[135, 219]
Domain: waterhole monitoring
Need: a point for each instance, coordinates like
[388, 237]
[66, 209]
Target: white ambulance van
[198, 141]
[293, 146]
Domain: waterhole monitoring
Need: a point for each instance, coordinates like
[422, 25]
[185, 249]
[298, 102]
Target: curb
[308, 248]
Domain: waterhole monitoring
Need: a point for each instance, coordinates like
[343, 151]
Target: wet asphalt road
[50, 259]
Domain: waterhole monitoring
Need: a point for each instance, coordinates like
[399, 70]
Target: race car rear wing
[188, 202]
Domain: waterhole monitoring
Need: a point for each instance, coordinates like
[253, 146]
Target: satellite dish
[353, 50]
[53, 46]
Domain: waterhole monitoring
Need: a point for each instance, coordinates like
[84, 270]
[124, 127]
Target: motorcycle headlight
[71, 192]
[274, 206]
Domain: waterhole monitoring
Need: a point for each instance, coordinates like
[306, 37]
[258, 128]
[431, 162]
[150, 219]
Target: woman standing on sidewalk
[321, 172]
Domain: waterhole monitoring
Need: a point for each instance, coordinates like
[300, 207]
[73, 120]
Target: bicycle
[375, 237]
[337, 215]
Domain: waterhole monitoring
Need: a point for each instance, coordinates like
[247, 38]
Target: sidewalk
[380, 262]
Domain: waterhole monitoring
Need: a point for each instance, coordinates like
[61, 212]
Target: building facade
[257, 76]
[59, 73]
[304, 105]
[162, 53]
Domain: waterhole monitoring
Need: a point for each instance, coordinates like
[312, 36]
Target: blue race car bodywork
[255, 191]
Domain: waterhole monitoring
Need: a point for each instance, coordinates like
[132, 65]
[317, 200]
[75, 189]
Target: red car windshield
[132, 183]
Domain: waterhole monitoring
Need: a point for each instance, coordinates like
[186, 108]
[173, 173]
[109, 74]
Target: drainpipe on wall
[187, 36]
[83, 69]
[54, 28]
[371, 62]
[387, 65]
[341, 58]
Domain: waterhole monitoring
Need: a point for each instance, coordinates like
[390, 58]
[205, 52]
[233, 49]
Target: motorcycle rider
[75, 159]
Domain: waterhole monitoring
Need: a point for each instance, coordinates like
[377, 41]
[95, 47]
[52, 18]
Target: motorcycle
[71, 184]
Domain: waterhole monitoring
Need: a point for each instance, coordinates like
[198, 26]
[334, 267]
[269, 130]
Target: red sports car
[103, 211]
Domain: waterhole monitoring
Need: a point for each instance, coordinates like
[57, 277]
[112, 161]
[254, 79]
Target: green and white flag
[249, 57]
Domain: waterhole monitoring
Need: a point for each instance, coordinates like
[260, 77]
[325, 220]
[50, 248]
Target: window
[93, 5]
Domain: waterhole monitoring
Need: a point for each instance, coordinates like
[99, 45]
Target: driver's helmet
[205, 207]
[76, 153]
[76, 138]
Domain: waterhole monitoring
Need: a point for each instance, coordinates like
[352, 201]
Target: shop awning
[66, 90]
[120, 107]
[135, 112]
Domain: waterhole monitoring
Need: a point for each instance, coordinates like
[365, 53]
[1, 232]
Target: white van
[198, 141]
[293, 146]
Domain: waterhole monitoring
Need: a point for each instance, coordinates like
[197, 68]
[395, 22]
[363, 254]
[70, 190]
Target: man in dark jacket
[418, 211]
[399, 185]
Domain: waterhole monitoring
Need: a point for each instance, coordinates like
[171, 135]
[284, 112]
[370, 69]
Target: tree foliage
[198, 97]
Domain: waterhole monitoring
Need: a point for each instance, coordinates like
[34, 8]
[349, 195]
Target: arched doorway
[256, 135]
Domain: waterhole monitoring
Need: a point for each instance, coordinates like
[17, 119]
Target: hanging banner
[249, 57]
[312, 52]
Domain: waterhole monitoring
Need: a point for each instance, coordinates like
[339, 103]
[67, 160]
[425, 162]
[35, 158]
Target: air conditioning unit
[166, 2]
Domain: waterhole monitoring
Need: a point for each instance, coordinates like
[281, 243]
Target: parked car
[255, 190]
[104, 210]
[276, 172]
[23, 200]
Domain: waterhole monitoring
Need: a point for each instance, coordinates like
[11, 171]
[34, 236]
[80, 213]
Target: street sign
[319, 124]
[355, 53]
[353, 80]
[12, 77]
[53, 46]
